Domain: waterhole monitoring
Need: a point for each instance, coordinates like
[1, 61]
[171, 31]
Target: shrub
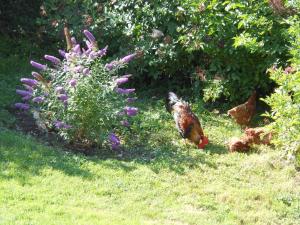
[233, 42]
[285, 101]
[18, 17]
[80, 96]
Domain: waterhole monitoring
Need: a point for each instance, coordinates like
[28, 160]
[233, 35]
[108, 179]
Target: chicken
[186, 121]
[257, 136]
[239, 144]
[242, 114]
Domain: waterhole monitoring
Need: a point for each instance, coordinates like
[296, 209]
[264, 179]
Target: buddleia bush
[80, 96]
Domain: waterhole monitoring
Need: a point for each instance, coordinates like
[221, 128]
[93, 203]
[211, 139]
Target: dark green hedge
[219, 48]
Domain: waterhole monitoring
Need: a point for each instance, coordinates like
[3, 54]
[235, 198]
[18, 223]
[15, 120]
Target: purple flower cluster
[111, 65]
[62, 53]
[89, 36]
[52, 59]
[115, 141]
[29, 82]
[73, 82]
[86, 71]
[38, 65]
[61, 125]
[36, 75]
[38, 99]
[126, 59]
[125, 91]
[26, 95]
[60, 90]
[129, 111]
[22, 106]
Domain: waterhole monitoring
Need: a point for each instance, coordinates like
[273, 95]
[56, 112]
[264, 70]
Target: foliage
[285, 101]
[80, 96]
[233, 42]
[18, 17]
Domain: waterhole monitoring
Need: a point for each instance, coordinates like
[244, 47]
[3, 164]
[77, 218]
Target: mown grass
[156, 179]
[159, 179]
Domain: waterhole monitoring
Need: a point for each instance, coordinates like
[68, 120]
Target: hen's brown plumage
[242, 114]
[186, 121]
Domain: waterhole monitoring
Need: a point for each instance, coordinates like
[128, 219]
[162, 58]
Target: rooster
[186, 121]
[242, 114]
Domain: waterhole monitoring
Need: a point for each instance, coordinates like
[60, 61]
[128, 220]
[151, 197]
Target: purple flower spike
[66, 68]
[52, 59]
[131, 111]
[29, 88]
[126, 76]
[29, 82]
[68, 56]
[26, 98]
[78, 69]
[86, 71]
[22, 106]
[89, 36]
[124, 91]
[128, 58]
[77, 49]
[114, 140]
[66, 126]
[23, 92]
[111, 65]
[125, 123]
[73, 40]
[36, 75]
[93, 55]
[38, 99]
[58, 124]
[38, 65]
[63, 97]
[61, 125]
[89, 45]
[60, 90]
[73, 82]
[121, 80]
[102, 52]
[131, 100]
[62, 53]
[88, 52]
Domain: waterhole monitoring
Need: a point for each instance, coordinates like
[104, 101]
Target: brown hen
[242, 114]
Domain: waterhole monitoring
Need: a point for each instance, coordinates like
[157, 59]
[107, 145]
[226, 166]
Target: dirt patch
[25, 123]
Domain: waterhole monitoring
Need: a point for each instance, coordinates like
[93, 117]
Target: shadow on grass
[175, 158]
[155, 142]
[22, 158]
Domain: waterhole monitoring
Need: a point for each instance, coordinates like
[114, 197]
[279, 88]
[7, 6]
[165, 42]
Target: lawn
[158, 178]
[160, 181]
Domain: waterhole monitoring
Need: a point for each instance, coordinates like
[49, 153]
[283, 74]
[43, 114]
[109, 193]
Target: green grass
[14, 64]
[158, 178]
